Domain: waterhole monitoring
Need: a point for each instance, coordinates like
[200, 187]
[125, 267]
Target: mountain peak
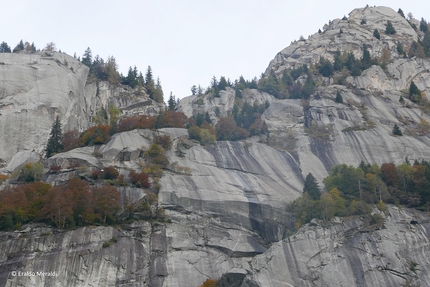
[350, 35]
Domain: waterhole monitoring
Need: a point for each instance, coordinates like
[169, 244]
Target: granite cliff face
[37, 87]
[227, 205]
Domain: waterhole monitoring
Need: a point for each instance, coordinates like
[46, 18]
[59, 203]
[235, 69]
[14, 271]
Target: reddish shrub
[71, 140]
[165, 141]
[96, 135]
[110, 173]
[139, 179]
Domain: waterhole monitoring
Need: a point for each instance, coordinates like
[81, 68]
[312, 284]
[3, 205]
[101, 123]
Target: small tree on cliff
[311, 187]
[55, 141]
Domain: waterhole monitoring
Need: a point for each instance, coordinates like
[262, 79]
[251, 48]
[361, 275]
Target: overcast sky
[186, 42]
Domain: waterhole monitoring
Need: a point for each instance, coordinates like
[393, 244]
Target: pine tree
[414, 92]
[87, 59]
[339, 98]
[4, 48]
[55, 141]
[376, 34]
[148, 75]
[423, 25]
[400, 11]
[311, 187]
[171, 102]
[19, 47]
[402, 100]
[389, 29]
[397, 131]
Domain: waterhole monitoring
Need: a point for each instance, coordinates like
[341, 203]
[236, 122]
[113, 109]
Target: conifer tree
[397, 131]
[400, 11]
[423, 25]
[55, 141]
[171, 102]
[19, 47]
[339, 98]
[389, 29]
[311, 187]
[4, 48]
[376, 34]
[87, 59]
[414, 92]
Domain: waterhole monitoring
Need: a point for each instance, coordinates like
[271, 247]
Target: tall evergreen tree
[19, 47]
[400, 11]
[171, 102]
[414, 93]
[148, 75]
[4, 48]
[311, 187]
[389, 29]
[55, 141]
[87, 59]
[423, 25]
[376, 34]
[339, 98]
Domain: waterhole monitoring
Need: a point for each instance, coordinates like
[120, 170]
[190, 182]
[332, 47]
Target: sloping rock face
[37, 87]
[354, 35]
[351, 253]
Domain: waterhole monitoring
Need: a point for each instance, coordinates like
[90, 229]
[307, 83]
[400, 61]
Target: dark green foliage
[297, 72]
[132, 78]
[397, 131]
[171, 103]
[193, 90]
[325, 67]
[19, 47]
[199, 119]
[319, 31]
[347, 179]
[286, 78]
[226, 129]
[389, 29]
[308, 88]
[55, 140]
[87, 58]
[401, 100]
[338, 61]
[363, 21]
[344, 18]
[366, 60]
[400, 11]
[416, 50]
[4, 48]
[270, 85]
[208, 118]
[423, 25]
[376, 34]
[414, 93]
[222, 83]
[426, 43]
[400, 49]
[339, 98]
[311, 187]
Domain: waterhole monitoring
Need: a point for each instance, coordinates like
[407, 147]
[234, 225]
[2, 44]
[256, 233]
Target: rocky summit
[227, 202]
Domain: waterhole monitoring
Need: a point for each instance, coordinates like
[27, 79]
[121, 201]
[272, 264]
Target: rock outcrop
[37, 87]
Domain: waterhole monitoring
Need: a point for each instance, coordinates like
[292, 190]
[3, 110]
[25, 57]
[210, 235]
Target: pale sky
[185, 42]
